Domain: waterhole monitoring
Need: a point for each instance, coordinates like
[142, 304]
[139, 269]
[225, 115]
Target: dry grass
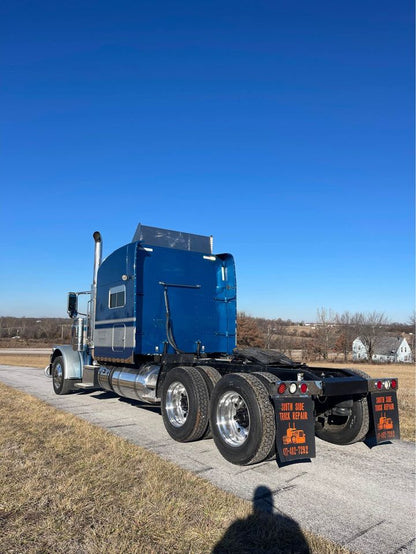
[67, 486]
[28, 360]
[405, 393]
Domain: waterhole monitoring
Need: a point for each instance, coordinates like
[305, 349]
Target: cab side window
[117, 297]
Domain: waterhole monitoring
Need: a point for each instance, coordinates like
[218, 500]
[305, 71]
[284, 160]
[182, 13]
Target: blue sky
[285, 129]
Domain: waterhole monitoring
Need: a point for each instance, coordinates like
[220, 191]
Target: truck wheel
[242, 419]
[211, 377]
[60, 384]
[347, 429]
[185, 402]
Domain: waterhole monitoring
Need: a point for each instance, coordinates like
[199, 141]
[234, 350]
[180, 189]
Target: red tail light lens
[303, 388]
[379, 385]
[393, 384]
[281, 388]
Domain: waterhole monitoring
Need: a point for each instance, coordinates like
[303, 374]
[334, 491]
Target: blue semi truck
[160, 328]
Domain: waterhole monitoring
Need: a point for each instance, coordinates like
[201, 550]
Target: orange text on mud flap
[386, 435]
[292, 411]
[295, 451]
[384, 404]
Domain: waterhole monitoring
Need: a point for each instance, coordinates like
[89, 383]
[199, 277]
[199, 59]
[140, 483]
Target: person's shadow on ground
[263, 531]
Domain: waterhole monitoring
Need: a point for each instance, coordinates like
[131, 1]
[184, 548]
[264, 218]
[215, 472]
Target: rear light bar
[292, 388]
[383, 384]
[315, 388]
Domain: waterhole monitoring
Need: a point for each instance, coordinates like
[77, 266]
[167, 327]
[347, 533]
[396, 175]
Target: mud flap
[385, 416]
[295, 428]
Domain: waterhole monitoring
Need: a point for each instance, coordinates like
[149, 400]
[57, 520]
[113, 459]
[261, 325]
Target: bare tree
[325, 334]
[347, 331]
[369, 327]
[270, 335]
[306, 346]
[412, 323]
[277, 337]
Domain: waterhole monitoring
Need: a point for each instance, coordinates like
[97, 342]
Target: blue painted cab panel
[200, 290]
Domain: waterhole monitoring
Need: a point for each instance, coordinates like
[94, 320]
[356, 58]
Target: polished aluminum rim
[58, 376]
[233, 418]
[177, 404]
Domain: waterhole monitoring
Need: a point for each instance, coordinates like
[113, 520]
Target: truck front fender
[73, 360]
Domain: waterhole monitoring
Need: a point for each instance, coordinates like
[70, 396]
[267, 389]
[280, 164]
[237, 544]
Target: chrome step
[89, 377]
[85, 386]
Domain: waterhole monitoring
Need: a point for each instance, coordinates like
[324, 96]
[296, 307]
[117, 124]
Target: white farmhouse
[386, 349]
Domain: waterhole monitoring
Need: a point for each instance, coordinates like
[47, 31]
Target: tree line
[330, 333]
[34, 328]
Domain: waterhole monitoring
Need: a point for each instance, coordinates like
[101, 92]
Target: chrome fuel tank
[135, 383]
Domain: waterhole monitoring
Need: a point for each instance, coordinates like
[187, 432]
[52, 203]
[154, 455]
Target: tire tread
[200, 389]
[211, 376]
[267, 414]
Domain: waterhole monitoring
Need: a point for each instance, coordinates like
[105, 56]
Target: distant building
[386, 349]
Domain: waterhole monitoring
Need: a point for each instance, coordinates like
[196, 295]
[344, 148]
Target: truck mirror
[72, 304]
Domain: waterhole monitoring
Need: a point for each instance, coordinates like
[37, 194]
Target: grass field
[69, 487]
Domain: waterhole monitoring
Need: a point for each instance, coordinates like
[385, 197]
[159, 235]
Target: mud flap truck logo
[294, 436]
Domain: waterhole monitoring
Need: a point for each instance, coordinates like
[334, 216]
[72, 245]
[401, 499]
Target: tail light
[386, 384]
[281, 388]
[293, 388]
[303, 388]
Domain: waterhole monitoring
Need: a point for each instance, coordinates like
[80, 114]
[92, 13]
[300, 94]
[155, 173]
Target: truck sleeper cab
[161, 328]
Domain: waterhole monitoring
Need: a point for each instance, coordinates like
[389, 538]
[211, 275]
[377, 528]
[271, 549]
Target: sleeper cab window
[117, 297]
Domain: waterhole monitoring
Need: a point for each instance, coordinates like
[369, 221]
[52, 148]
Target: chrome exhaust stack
[97, 255]
[97, 262]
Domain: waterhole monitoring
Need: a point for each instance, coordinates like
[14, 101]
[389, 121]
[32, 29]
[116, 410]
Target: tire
[60, 384]
[211, 377]
[242, 419]
[184, 404]
[350, 429]
[267, 379]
